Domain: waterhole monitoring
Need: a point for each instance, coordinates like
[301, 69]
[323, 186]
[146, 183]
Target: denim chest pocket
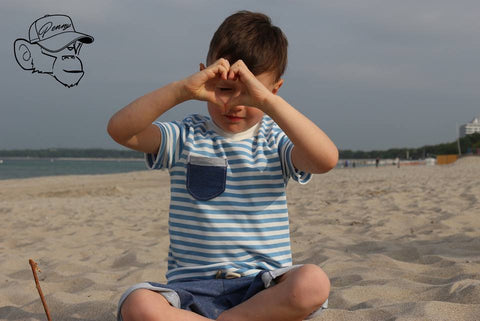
[206, 176]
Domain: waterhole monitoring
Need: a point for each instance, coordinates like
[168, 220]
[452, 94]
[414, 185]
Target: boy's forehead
[267, 76]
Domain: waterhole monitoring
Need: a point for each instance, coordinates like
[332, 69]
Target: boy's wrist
[181, 93]
[271, 104]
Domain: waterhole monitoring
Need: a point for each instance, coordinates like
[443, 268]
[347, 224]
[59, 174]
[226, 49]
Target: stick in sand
[34, 270]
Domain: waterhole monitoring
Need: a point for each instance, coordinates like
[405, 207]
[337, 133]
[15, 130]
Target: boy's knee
[142, 305]
[310, 287]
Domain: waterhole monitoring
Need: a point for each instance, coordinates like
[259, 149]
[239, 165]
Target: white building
[471, 127]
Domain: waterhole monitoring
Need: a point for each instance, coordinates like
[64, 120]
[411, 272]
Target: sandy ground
[398, 244]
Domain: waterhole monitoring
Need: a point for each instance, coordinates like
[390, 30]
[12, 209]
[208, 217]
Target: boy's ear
[277, 86]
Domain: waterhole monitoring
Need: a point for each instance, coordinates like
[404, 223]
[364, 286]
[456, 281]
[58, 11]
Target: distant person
[229, 256]
[377, 162]
[345, 164]
[354, 164]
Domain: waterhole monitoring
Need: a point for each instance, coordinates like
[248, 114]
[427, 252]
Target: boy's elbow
[113, 129]
[333, 160]
[329, 161]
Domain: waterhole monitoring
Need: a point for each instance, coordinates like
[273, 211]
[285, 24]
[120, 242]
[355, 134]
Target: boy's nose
[224, 95]
[235, 108]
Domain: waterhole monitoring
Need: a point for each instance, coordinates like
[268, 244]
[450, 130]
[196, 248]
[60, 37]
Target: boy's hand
[253, 93]
[202, 85]
[208, 83]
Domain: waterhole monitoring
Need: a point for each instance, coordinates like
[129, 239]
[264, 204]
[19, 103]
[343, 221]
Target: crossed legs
[296, 295]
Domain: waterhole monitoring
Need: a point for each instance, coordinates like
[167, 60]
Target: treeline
[468, 144]
[71, 153]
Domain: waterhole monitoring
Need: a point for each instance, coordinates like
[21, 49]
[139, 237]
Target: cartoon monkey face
[67, 67]
[54, 49]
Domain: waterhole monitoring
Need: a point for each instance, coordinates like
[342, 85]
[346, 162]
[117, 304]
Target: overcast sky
[373, 74]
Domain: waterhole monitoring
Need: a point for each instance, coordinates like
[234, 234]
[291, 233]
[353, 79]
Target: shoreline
[22, 168]
[72, 158]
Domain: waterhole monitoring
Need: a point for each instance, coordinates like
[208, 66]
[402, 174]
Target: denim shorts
[210, 298]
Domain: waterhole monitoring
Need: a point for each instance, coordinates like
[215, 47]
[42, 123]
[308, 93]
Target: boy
[229, 256]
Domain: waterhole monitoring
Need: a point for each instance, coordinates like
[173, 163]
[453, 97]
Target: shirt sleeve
[285, 148]
[170, 147]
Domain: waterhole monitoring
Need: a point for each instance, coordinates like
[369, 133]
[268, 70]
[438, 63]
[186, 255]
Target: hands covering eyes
[227, 85]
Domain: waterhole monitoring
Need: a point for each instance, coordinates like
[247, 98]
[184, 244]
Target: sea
[12, 168]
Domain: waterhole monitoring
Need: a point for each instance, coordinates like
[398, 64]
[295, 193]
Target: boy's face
[239, 118]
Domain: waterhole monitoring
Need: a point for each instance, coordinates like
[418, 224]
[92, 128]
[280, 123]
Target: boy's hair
[251, 37]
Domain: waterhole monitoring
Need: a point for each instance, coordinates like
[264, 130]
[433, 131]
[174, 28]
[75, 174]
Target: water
[24, 168]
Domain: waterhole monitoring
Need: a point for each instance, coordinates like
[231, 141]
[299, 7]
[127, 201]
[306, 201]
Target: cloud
[428, 18]
[361, 62]
[85, 11]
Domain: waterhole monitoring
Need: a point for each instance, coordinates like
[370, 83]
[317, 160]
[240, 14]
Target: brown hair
[251, 37]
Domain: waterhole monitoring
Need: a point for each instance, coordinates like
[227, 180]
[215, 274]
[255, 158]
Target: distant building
[471, 127]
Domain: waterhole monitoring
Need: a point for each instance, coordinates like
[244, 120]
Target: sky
[373, 74]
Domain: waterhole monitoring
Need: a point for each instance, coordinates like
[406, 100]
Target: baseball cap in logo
[55, 32]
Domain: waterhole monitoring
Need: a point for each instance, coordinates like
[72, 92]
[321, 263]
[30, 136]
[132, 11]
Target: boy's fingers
[214, 71]
[219, 71]
[224, 62]
[202, 66]
[239, 71]
[233, 74]
[224, 72]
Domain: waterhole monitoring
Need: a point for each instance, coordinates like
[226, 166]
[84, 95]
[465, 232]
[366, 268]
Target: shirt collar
[249, 133]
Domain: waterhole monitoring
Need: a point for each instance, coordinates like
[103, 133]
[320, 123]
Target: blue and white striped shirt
[243, 230]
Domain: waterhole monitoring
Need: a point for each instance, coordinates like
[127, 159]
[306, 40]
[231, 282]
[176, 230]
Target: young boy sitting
[229, 256]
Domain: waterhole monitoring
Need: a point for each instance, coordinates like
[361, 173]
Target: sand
[397, 243]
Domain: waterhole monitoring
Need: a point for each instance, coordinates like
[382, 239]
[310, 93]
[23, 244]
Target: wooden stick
[39, 289]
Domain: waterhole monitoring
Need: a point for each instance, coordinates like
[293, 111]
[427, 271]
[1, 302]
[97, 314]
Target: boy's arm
[313, 151]
[132, 125]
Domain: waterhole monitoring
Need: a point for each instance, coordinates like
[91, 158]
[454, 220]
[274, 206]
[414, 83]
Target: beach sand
[397, 243]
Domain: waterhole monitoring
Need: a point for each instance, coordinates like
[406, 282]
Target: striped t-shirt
[232, 216]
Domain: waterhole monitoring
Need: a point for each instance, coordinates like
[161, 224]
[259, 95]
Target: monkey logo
[53, 48]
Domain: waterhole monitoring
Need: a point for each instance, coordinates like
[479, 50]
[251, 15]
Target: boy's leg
[147, 305]
[297, 294]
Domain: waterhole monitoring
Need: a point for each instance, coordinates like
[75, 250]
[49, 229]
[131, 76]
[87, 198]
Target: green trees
[468, 144]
